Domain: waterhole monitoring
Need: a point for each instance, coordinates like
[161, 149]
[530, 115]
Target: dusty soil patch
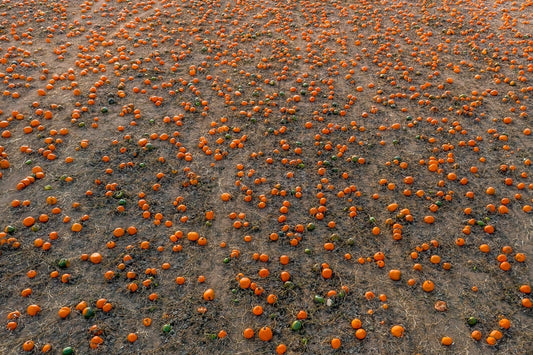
[353, 137]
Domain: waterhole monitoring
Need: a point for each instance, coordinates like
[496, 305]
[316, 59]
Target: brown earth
[324, 108]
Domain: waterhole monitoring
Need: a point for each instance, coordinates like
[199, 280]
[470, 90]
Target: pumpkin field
[266, 177]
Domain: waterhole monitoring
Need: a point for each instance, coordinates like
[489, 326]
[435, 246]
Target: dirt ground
[293, 138]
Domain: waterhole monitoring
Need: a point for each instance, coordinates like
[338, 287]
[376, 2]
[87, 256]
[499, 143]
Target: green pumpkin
[472, 321]
[319, 299]
[63, 263]
[296, 325]
[88, 313]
